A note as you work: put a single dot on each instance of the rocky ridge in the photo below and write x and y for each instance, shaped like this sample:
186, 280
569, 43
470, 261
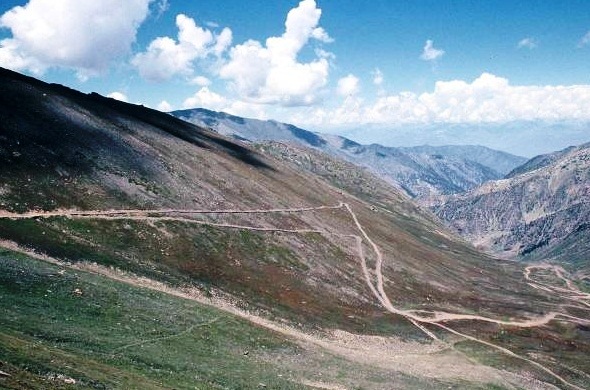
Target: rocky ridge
421, 172
537, 208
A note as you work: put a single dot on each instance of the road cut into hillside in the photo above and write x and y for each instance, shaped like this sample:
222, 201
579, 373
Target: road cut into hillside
419, 318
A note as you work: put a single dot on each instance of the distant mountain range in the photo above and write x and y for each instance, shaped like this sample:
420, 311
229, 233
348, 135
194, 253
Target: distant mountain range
502, 203
422, 171
523, 138
541, 209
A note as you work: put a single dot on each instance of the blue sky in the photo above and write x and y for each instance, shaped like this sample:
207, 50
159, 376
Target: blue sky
333, 65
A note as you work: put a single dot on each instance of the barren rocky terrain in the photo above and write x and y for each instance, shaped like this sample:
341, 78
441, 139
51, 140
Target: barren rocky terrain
540, 211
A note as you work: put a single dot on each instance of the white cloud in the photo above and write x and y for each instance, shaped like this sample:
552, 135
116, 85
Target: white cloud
205, 98
272, 74
430, 53
321, 53
12, 57
201, 81
528, 43
118, 96
377, 77
487, 99
321, 35
247, 110
222, 41
85, 36
348, 86
164, 106
585, 41
166, 57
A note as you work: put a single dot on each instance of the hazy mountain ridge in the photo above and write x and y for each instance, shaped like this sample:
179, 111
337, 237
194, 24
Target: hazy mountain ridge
544, 160
420, 171
421, 175
497, 160
536, 208
249, 129
520, 137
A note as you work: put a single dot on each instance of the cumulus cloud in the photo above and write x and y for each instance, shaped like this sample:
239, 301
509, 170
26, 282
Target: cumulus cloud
585, 41
487, 99
12, 57
377, 77
528, 43
430, 53
201, 81
166, 57
348, 86
85, 36
206, 98
321, 35
222, 41
118, 96
164, 106
271, 73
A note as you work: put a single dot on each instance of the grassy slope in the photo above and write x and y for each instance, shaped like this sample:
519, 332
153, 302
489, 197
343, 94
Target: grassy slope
91, 152
47, 328
573, 251
491, 287
113, 335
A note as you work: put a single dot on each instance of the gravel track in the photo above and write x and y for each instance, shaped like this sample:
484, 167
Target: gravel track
435, 318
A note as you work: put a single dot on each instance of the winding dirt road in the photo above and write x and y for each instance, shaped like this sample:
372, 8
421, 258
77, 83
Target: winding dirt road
570, 292
435, 317
419, 318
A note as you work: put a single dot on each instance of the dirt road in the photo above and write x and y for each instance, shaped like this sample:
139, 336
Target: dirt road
419, 318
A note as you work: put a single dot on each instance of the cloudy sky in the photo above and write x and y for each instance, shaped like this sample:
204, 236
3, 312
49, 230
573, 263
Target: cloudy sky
331, 65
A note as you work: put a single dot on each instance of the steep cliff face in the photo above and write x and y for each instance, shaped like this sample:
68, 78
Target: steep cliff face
529, 213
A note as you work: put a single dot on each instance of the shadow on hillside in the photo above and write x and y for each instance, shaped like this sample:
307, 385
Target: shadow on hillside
25, 115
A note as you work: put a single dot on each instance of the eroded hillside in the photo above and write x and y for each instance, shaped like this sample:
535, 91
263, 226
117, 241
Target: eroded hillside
539, 211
